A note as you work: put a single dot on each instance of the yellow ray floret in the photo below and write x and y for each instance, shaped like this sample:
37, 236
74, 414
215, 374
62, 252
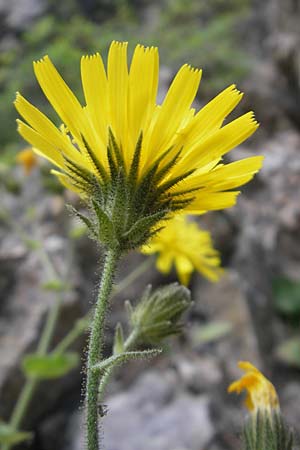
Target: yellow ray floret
261, 394
184, 244
120, 111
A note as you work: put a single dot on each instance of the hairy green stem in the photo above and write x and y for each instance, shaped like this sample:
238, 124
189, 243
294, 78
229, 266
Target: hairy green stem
95, 349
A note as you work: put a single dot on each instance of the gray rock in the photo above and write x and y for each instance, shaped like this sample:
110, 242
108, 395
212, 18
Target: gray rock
152, 415
199, 374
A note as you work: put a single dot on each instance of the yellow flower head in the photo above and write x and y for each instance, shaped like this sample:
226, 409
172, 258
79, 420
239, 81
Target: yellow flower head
187, 246
261, 394
28, 159
123, 149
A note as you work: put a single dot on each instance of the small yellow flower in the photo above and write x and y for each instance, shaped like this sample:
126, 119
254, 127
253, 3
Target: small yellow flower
28, 159
183, 243
261, 394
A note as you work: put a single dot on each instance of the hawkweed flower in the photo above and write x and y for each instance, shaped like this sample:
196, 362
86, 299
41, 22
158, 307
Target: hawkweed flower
261, 394
184, 244
134, 161
266, 428
28, 159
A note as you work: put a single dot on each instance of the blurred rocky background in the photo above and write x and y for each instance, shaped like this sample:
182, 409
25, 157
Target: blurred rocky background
179, 401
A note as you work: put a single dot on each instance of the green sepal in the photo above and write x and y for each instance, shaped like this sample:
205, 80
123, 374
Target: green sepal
166, 168
79, 176
267, 431
134, 167
10, 436
115, 149
136, 234
173, 181
106, 230
53, 365
87, 222
118, 346
112, 165
119, 208
97, 165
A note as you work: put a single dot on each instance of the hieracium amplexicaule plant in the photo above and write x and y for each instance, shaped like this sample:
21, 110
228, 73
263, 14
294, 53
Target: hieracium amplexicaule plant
135, 163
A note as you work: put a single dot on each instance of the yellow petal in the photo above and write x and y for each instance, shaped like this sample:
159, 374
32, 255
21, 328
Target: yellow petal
94, 82
45, 128
211, 116
173, 110
246, 366
205, 201
67, 106
143, 83
220, 142
225, 177
164, 262
118, 92
65, 181
184, 268
40, 145
209, 267
59, 95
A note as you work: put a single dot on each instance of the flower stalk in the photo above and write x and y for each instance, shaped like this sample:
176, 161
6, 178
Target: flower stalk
95, 349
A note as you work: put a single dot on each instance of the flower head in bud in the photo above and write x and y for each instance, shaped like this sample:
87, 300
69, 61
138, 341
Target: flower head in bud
261, 394
134, 161
183, 243
158, 313
28, 159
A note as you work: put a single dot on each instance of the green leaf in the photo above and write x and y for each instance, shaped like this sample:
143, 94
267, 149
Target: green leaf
289, 352
287, 296
211, 332
50, 366
10, 436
